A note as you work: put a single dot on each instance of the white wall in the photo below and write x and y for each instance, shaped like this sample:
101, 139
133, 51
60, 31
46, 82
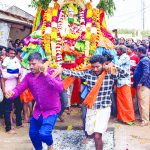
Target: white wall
4, 33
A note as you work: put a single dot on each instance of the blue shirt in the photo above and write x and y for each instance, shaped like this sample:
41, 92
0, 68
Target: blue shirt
142, 72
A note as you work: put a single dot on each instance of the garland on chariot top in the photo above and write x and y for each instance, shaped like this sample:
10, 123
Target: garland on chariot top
66, 31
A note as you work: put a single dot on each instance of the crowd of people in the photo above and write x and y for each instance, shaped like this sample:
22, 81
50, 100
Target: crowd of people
124, 92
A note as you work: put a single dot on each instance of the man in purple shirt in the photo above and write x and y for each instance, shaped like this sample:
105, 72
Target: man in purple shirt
45, 90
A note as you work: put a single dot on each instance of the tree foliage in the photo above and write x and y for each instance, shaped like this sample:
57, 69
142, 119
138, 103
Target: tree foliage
108, 6
38, 3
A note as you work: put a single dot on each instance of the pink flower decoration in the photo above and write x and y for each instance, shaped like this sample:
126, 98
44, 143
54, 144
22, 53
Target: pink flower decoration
54, 18
88, 19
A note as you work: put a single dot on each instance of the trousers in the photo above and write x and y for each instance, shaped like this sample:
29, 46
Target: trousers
41, 130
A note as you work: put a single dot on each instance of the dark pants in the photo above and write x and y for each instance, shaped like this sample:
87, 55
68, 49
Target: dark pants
114, 104
84, 110
2, 109
64, 101
41, 131
8, 108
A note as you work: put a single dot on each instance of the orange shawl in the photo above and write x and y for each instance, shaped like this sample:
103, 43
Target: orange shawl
91, 97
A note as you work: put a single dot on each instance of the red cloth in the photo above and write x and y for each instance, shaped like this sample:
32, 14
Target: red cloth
26, 96
107, 34
125, 104
134, 60
75, 97
133, 91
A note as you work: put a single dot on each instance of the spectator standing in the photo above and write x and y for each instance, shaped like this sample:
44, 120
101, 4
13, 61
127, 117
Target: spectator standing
124, 98
142, 82
122, 41
134, 60
10, 74
26, 97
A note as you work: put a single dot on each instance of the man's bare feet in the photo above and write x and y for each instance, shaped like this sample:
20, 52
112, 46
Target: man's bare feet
21, 126
61, 119
68, 110
85, 141
11, 132
26, 121
50, 148
143, 123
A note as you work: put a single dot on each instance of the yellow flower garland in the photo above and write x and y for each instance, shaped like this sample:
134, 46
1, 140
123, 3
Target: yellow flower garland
88, 29
54, 29
45, 37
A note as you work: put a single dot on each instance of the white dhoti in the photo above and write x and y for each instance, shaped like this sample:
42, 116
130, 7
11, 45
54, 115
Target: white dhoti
97, 120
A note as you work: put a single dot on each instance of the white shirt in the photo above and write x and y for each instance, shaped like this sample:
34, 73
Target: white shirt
11, 63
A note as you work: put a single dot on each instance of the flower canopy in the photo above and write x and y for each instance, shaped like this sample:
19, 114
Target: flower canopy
68, 33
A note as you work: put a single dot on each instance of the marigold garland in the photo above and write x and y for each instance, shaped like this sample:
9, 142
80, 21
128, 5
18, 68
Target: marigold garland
45, 37
85, 28
88, 28
54, 33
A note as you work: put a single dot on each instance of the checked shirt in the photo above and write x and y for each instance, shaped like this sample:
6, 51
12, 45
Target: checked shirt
103, 99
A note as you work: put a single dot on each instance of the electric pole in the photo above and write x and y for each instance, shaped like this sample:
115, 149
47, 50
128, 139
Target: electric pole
143, 14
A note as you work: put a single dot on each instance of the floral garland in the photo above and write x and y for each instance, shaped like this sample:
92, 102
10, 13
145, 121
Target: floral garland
54, 28
82, 24
98, 28
88, 28
59, 39
46, 36
93, 32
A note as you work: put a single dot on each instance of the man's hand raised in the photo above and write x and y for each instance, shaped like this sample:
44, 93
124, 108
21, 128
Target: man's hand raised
57, 72
111, 69
9, 94
43, 67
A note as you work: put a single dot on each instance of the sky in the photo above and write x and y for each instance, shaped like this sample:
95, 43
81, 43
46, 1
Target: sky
128, 13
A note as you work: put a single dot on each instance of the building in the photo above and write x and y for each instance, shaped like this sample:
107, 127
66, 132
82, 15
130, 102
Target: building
14, 24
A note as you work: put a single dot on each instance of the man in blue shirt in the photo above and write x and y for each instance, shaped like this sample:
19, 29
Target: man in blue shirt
142, 82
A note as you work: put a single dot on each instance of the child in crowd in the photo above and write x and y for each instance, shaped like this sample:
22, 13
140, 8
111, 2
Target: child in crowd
26, 97
10, 73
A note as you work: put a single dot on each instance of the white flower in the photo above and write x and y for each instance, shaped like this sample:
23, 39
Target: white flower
94, 30
88, 24
48, 30
54, 24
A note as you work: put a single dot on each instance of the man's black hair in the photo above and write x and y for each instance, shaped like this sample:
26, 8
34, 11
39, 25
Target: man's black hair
35, 55
142, 49
97, 58
1, 47
109, 57
19, 49
131, 46
11, 49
